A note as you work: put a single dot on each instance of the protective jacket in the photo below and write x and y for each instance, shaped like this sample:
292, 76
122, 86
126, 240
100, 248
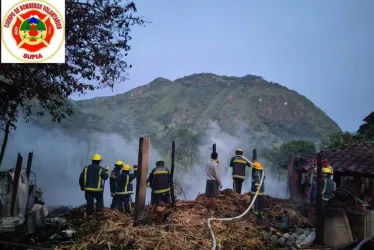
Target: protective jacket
238, 165
159, 180
124, 183
256, 179
91, 178
328, 187
116, 172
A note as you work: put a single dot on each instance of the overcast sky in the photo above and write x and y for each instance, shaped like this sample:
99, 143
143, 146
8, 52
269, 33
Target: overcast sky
322, 49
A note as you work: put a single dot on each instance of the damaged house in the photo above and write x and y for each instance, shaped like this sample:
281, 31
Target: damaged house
22, 209
353, 167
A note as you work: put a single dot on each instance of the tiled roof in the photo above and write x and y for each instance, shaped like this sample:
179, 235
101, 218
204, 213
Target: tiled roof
358, 159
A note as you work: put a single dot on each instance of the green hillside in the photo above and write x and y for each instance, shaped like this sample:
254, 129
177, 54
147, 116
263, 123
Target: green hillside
267, 111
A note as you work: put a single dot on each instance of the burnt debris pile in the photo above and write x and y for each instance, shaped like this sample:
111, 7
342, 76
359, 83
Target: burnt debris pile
185, 225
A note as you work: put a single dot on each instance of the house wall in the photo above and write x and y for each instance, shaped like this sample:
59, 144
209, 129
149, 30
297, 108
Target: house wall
359, 224
337, 230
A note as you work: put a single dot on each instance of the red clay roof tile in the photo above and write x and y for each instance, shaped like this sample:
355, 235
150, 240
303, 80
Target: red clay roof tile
358, 158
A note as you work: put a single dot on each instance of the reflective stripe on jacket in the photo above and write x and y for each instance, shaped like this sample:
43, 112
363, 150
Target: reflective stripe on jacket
256, 179
91, 178
159, 179
116, 172
124, 183
328, 188
238, 165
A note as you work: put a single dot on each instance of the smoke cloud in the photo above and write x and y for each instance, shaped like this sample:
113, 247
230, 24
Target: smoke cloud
59, 159
194, 182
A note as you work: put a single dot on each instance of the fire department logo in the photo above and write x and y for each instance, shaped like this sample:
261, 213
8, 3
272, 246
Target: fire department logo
33, 32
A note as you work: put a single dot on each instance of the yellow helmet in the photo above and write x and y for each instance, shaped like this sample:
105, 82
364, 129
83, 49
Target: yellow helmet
126, 167
119, 163
257, 165
96, 157
327, 171
240, 150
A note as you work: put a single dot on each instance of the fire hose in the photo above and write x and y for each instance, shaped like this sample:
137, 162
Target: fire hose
237, 217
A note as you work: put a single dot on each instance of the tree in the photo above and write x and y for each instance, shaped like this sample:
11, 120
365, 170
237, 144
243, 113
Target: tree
93, 61
367, 129
279, 155
341, 139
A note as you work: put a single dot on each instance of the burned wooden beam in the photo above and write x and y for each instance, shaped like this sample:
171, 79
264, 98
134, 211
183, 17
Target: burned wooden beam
172, 173
141, 182
17, 174
290, 173
214, 148
29, 164
319, 209
254, 155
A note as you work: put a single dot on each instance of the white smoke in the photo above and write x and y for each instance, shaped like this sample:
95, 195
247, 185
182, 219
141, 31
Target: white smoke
194, 182
59, 159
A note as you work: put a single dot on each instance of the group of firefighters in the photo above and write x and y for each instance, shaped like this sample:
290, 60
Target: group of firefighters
93, 177
238, 164
92, 181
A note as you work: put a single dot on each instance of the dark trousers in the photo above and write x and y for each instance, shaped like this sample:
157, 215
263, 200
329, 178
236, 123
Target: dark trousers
102, 200
114, 203
212, 188
124, 202
152, 198
163, 197
258, 206
90, 198
238, 183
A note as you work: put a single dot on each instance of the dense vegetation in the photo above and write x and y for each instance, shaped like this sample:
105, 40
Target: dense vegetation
260, 113
340, 139
279, 154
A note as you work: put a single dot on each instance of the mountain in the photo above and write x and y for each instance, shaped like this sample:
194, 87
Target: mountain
267, 111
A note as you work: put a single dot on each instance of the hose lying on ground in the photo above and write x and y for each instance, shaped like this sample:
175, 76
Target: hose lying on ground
363, 242
237, 217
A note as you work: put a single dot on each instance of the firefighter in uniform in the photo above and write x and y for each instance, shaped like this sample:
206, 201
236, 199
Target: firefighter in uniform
112, 182
329, 186
91, 181
124, 188
326, 164
238, 165
258, 207
159, 180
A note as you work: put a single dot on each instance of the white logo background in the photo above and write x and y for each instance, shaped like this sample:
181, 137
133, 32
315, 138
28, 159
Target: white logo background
51, 54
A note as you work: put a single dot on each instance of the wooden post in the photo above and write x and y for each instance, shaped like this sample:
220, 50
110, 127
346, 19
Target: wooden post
29, 163
214, 148
141, 182
254, 155
17, 174
172, 173
319, 209
290, 171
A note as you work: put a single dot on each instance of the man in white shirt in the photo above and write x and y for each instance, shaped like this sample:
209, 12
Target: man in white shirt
213, 183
